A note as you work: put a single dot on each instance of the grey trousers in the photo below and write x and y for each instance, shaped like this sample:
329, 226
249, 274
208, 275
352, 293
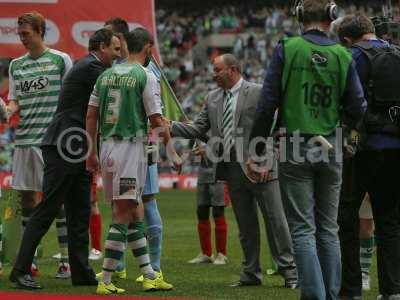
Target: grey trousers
245, 197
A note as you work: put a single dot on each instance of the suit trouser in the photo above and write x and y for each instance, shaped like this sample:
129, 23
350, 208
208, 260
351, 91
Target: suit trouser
244, 197
375, 172
69, 184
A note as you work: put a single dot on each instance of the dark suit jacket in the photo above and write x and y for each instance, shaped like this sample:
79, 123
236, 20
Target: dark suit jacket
210, 118
73, 102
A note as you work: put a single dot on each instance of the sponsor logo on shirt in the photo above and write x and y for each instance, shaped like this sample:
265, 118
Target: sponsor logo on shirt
36, 85
319, 59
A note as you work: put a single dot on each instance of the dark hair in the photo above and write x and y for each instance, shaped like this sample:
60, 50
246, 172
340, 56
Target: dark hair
355, 26
315, 11
102, 35
137, 39
118, 25
35, 19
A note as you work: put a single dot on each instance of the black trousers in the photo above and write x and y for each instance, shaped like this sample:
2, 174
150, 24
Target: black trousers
69, 184
375, 172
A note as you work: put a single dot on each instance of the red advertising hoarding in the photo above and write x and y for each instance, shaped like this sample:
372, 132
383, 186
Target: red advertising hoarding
70, 22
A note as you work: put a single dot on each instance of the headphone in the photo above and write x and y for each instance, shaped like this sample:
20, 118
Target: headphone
331, 10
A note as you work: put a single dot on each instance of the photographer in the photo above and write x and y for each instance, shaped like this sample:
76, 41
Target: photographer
374, 168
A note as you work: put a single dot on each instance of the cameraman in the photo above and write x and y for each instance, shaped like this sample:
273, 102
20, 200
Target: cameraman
309, 79
374, 169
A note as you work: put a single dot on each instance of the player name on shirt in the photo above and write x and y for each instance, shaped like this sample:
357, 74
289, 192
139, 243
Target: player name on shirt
115, 80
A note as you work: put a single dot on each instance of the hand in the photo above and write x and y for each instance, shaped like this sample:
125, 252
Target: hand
10, 111
177, 162
199, 151
256, 172
92, 163
151, 148
167, 122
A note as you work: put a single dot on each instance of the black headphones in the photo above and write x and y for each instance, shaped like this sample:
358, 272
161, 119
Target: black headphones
331, 10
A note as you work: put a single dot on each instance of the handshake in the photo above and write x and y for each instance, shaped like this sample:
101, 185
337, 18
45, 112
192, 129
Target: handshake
152, 149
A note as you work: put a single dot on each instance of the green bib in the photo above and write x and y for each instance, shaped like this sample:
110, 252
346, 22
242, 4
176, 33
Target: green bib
122, 112
313, 82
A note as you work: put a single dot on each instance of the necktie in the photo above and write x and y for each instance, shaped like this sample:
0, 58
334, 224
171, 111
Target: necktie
227, 122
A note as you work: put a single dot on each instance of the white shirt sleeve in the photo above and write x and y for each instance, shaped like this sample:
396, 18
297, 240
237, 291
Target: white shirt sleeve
94, 97
12, 93
68, 65
151, 95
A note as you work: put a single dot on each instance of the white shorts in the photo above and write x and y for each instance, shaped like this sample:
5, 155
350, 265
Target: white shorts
365, 209
27, 169
123, 167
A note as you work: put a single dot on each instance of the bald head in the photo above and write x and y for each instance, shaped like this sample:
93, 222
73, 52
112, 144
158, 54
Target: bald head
231, 61
227, 71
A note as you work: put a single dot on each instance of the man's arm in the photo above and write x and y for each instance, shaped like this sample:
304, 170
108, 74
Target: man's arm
158, 124
270, 100
197, 130
152, 105
353, 100
92, 162
13, 106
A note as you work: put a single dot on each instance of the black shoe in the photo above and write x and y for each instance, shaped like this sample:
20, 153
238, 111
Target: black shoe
350, 298
24, 281
245, 283
291, 284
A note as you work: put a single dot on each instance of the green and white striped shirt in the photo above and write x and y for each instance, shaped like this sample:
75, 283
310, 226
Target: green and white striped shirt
35, 85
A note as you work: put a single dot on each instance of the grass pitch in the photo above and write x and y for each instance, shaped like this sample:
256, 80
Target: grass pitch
178, 210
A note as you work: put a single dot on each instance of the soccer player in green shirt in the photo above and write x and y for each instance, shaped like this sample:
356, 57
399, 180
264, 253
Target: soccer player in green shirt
35, 82
123, 100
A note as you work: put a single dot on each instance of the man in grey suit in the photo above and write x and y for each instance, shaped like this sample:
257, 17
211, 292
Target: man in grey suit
229, 113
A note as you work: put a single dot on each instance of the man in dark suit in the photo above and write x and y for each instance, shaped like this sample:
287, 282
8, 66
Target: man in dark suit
229, 114
64, 152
